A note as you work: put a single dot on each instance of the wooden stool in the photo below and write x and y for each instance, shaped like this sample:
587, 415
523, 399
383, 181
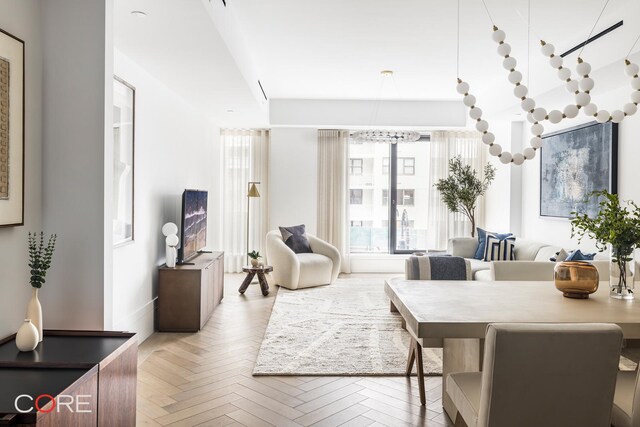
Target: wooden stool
251, 272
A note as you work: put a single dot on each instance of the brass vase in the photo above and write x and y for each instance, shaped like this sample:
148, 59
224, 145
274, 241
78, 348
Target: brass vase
576, 279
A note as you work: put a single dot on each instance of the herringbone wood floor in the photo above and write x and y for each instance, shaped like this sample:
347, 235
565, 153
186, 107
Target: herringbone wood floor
205, 379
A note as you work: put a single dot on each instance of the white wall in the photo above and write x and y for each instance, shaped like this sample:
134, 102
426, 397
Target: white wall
293, 178
22, 19
76, 89
175, 148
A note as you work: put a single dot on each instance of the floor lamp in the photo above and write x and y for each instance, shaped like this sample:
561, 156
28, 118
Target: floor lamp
252, 191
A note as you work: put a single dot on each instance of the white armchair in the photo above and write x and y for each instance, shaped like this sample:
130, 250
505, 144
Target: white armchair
294, 271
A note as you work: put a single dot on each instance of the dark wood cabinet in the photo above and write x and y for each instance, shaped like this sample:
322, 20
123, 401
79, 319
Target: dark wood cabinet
188, 294
91, 375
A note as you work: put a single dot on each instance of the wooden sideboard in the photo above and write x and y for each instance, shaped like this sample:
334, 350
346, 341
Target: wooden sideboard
188, 294
91, 376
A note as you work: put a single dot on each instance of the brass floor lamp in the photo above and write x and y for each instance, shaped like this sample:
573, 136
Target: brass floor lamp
252, 191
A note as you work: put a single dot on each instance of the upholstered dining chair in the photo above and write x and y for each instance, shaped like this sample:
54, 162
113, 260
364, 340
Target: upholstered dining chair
541, 375
436, 267
294, 271
626, 402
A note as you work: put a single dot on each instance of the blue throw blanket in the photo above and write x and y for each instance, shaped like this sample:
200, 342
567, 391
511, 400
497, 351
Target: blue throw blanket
436, 268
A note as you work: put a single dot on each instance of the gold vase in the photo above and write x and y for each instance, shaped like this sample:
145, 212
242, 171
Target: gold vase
576, 279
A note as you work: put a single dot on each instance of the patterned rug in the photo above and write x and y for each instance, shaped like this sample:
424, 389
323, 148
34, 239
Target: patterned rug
341, 329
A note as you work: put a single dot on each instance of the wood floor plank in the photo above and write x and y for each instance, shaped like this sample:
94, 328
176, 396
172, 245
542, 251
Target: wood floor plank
342, 416
265, 414
330, 410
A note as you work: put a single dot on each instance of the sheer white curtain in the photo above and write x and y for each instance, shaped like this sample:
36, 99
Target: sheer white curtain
333, 190
245, 158
445, 145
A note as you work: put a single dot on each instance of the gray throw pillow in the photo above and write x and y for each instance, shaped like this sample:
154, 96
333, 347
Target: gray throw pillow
296, 239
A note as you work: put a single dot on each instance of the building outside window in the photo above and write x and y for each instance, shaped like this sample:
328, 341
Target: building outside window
355, 166
406, 166
355, 196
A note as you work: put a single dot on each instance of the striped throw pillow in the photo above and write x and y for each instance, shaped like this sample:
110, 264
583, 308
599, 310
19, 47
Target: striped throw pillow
499, 249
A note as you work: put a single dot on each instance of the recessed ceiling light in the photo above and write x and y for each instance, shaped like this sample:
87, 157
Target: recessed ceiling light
230, 111
138, 14
386, 73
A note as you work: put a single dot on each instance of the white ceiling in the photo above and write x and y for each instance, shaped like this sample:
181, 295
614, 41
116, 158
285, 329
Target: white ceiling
335, 49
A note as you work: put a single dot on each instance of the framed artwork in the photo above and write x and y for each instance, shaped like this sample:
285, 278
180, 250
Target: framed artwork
575, 162
124, 97
11, 130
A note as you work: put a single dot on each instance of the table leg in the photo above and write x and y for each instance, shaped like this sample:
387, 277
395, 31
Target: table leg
459, 355
264, 285
247, 281
418, 355
412, 357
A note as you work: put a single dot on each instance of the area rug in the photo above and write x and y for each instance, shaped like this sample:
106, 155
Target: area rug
342, 329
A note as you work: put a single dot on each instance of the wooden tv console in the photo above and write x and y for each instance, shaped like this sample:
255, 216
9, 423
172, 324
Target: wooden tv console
188, 294
90, 374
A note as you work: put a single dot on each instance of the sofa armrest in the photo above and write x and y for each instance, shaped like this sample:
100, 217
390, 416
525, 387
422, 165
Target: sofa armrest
286, 265
321, 247
464, 247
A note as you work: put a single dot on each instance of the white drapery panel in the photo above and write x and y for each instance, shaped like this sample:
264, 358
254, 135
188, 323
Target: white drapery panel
245, 159
444, 146
333, 187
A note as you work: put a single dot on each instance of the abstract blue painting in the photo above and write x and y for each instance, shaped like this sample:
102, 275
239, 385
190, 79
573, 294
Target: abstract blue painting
575, 162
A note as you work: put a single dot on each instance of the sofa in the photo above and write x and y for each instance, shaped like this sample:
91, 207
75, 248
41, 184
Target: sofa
532, 261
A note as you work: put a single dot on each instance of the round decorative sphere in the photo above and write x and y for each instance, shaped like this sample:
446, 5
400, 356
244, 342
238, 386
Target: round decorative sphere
462, 88
495, 149
635, 83
635, 97
506, 157
530, 118
529, 153
556, 61
582, 99
469, 100
520, 91
564, 73
172, 240
539, 114
555, 116
602, 116
617, 116
572, 86
169, 228
504, 49
583, 68
528, 104
631, 70
515, 76
630, 109
570, 111
482, 126
498, 36
475, 113
509, 63
518, 159
547, 49
536, 142
537, 129
488, 138
590, 109
586, 84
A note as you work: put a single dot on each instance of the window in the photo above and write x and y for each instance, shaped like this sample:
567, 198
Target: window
355, 166
403, 197
388, 213
355, 196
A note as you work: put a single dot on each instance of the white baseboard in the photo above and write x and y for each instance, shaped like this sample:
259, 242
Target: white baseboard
377, 263
140, 321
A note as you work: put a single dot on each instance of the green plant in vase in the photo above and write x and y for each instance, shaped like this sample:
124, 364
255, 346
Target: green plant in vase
617, 226
461, 189
255, 258
40, 257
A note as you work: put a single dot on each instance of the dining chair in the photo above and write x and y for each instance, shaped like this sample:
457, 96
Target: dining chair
540, 375
626, 401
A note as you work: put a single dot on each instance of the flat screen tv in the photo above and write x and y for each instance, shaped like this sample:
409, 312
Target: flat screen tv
193, 230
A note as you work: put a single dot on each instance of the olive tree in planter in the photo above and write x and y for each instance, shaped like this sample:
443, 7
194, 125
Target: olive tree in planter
461, 189
616, 227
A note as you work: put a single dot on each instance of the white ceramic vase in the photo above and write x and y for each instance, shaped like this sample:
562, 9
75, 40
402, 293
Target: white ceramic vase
34, 312
254, 262
27, 337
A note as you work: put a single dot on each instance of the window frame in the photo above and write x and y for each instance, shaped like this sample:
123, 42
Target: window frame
352, 166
